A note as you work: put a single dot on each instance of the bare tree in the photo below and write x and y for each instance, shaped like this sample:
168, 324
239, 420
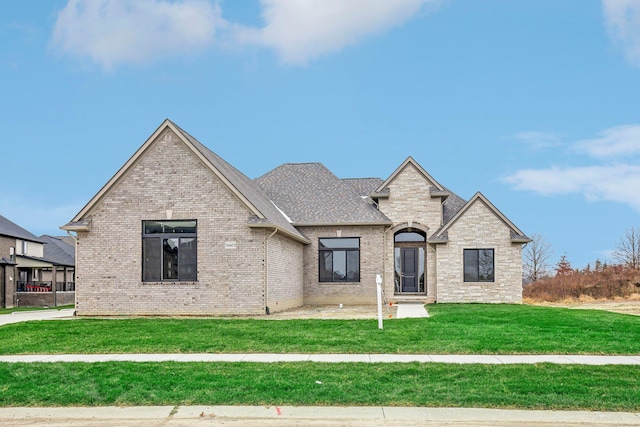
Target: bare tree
536, 258
628, 248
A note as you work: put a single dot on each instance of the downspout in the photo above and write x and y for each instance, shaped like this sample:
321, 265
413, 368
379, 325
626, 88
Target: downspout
4, 286
75, 270
266, 271
384, 258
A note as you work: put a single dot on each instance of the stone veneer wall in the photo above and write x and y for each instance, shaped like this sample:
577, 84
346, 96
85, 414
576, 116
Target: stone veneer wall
285, 274
169, 177
371, 263
410, 200
389, 268
479, 228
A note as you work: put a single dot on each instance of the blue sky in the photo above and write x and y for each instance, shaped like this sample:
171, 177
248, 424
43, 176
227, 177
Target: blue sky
535, 103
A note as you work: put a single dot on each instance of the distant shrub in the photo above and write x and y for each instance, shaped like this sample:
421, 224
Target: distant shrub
612, 282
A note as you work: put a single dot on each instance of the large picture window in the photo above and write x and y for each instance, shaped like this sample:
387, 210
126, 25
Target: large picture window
169, 251
478, 265
339, 259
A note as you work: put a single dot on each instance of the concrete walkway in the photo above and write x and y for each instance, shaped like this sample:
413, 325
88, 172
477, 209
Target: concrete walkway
306, 415
24, 316
407, 310
330, 358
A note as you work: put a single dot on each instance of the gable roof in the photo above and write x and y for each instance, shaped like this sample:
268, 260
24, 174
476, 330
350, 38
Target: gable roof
437, 192
265, 213
11, 229
58, 251
310, 194
517, 236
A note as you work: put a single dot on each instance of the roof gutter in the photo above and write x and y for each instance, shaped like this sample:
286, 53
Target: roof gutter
282, 231
521, 240
342, 224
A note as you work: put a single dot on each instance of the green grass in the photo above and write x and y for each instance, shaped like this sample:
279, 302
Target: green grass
17, 309
452, 329
544, 386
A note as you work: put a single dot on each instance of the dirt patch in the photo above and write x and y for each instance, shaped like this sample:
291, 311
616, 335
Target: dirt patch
624, 306
334, 312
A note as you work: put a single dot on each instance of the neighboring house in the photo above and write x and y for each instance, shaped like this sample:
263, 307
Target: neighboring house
178, 231
30, 265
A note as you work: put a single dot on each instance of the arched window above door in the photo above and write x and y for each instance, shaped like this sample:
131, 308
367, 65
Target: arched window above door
409, 237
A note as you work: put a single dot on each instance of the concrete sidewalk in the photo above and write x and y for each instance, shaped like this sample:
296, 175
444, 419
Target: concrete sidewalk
329, 358
306, 415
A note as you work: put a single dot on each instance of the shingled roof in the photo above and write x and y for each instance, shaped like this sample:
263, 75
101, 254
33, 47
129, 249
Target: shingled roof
363, 186
265, 213
11, 229
248, 188
58, 251
310, 194
451, 206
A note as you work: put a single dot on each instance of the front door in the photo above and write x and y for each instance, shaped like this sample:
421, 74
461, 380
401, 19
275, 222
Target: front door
409, 269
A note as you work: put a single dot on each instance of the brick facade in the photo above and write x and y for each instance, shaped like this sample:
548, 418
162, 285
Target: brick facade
169, 182
285, 274
371, 264
242, 269
8, 274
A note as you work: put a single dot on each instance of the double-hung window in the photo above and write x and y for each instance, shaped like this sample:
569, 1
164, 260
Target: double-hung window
339, 259
169, 251
478, 265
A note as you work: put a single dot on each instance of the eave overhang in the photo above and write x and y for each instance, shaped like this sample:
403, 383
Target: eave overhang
82, 225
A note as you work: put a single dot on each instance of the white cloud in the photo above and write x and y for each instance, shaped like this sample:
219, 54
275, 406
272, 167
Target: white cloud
616, 182
112, 32
615, 141
301, 30
539, 140
623, 24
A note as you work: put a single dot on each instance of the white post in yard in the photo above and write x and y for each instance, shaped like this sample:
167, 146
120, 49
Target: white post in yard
379, 288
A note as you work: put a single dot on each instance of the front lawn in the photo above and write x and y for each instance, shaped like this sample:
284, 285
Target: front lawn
543, 386
451, 329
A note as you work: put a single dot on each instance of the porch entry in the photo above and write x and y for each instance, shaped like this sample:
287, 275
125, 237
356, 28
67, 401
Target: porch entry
409, 248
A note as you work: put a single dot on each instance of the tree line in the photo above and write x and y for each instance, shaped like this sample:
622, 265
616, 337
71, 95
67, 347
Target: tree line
537, 254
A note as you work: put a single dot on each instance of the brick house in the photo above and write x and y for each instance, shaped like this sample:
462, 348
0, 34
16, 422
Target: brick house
34, 271
179, 231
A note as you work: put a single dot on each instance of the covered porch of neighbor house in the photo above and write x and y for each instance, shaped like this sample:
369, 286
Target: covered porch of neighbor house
42, 283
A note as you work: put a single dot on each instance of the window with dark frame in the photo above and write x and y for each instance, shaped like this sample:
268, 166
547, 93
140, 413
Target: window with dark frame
339, 259
169, 251
479, 265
